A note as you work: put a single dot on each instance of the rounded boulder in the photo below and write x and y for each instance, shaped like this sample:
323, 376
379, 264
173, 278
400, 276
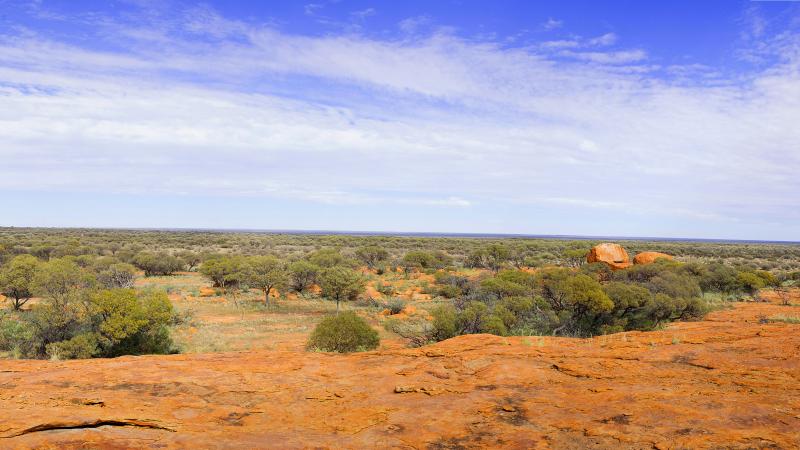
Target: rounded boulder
650, 257
611, 254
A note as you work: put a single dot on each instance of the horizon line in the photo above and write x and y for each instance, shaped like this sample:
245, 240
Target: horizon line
431, 234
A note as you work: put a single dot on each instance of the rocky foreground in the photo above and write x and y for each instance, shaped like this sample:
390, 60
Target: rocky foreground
727, 382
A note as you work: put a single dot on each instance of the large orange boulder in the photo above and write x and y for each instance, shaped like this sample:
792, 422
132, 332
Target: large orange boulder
650, 257
612, 254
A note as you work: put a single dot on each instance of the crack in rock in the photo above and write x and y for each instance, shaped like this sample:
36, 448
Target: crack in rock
89, 424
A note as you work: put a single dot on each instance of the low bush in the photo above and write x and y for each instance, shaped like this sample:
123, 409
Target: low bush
395, 305
449, 291
785, 319
343, 333
416, 331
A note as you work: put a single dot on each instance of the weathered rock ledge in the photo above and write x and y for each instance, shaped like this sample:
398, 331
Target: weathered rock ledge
726, 382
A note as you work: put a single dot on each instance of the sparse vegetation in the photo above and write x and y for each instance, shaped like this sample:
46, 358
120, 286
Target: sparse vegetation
785, 319
395, 305
451, 286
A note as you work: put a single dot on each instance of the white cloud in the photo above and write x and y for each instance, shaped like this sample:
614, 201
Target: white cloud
552, 24
413, 24
604, 40
435, 121
311, 8
364, 13
621, 57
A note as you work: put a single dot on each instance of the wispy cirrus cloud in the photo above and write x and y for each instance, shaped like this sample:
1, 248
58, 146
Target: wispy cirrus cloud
552, 24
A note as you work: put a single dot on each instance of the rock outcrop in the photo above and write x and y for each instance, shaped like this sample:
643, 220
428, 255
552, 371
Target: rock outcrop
650, 257
612, 254
730, 381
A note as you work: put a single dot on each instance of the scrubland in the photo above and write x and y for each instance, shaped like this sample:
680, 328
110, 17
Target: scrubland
262, 340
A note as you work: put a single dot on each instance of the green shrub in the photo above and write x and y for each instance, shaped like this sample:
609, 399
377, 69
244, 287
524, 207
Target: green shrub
106, 323
444, 322
82, 346
16, 336
449, 291
117, 276
343, 333
395, 305
416, 331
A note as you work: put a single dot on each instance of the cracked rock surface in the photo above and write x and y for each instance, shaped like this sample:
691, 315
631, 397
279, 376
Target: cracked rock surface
726, 382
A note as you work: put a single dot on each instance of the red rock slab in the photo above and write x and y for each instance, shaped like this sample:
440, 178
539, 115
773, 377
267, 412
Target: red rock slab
729, 381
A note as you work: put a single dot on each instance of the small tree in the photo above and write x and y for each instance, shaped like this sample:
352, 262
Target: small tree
497, 255
60, 280
340, 283
192, 259
783, 295
266, 273
750, 283
226, 272
222, 270
16, 279
303, 274
491, 257
329, 257
157, 263
372, 255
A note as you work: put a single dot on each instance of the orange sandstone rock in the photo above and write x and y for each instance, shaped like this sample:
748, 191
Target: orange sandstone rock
612, 254
650, 257
727, 382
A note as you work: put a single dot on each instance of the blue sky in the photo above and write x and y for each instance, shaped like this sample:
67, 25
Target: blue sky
673, 119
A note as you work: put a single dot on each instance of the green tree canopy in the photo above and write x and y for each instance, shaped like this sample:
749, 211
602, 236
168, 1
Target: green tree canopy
329, 257
341, 283
303, 274
224, 271
60, 280
372, 255
157, 263
16, 279
266, 273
